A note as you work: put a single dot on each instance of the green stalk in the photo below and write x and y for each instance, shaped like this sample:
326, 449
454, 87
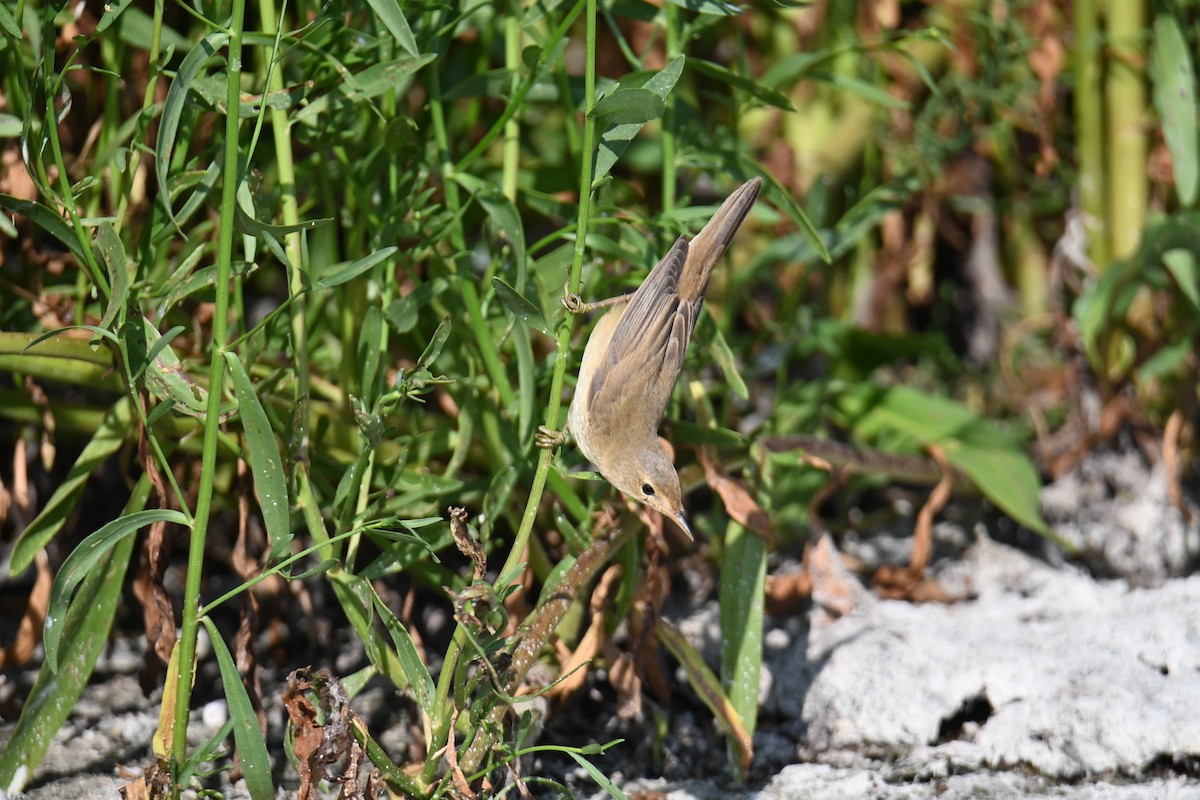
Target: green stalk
512, 130
216, 377
440, 726
281, 132
1089, 127
1128, 195
668, 123
575, 281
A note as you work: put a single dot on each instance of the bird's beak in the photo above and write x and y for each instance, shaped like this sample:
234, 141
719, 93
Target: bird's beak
682, 522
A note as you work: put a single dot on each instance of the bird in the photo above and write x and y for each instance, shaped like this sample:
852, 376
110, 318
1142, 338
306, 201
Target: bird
633, 359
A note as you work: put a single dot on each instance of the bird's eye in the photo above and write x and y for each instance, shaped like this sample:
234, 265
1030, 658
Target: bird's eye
647, 490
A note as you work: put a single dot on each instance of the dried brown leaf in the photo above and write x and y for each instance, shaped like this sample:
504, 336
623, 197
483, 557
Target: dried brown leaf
466, 543
787, 595
741, 507
29, 630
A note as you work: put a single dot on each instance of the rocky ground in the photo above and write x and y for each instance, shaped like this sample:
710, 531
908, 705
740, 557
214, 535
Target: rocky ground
1047, 677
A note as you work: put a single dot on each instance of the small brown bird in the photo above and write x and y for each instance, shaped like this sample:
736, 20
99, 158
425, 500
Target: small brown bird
633, 359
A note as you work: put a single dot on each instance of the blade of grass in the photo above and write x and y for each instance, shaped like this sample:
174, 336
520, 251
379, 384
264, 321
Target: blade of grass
251, 744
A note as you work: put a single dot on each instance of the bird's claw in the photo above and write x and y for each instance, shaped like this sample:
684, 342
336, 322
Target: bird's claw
548, 439
572, 302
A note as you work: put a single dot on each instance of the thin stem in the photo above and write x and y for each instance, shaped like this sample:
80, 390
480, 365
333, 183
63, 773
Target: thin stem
669, 123
216, 378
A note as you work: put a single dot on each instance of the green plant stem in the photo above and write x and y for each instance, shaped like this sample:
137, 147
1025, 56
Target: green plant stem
512, 129
575, 280
1089, 127
440, 726
204, 498
669, 123
281, 131
1125, 88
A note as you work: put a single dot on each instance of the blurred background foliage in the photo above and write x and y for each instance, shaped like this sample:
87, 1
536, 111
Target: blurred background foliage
977, 241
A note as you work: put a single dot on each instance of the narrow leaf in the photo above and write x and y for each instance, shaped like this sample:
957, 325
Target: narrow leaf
174, 105
80, 564
752, 88
112, 253
503, 213
393, 19
47, 220
248, 225
706, 685
742, 589
352, 271
410, 661
53, 696
1182, 266
520, 306
251, 744
265, 464
8, 24
1174, 80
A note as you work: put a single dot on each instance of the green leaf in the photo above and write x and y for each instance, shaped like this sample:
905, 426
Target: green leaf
1005, 475
344, 274
1164, 362
247, 736
410, 661
356, 597
248, 225
1182, 266
503, 213
434, 348
520, 306
628, 107
742, 589
266, 466
602, 780
370, 82
706, 685
165, 376
369, 357
753, 88
47, 220
83, 560
616, 138
89, 620
405, 312
112, 253
8, 24
992, 460
173, 107
1174, 81
112, 11
725, 359
117, 425
393, 19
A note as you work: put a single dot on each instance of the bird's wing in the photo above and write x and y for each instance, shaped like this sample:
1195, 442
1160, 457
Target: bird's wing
644, 357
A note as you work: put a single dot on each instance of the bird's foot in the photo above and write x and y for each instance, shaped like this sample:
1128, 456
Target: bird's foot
548, 439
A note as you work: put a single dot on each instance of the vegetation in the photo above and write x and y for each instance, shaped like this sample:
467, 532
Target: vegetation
280, 301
